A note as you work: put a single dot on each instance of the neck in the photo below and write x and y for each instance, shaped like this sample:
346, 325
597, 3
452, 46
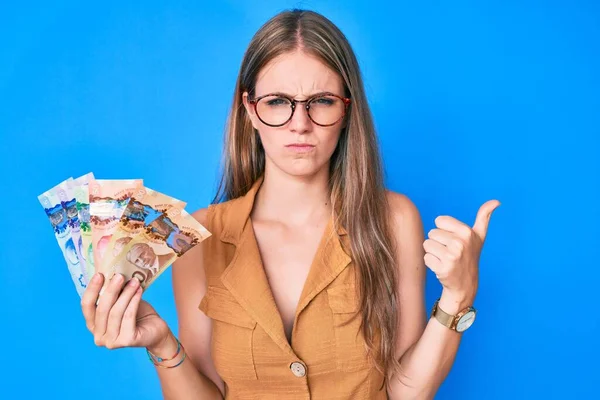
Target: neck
293, 199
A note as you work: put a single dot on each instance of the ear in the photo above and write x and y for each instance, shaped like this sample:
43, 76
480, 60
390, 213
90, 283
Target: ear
250, 110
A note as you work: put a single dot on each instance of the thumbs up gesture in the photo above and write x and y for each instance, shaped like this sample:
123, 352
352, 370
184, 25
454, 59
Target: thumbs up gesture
452, 252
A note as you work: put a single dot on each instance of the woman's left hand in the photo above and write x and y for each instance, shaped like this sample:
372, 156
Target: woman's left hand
452, 252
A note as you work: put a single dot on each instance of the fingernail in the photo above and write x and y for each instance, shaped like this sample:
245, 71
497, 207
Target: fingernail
96, 278
117, 278
134, 282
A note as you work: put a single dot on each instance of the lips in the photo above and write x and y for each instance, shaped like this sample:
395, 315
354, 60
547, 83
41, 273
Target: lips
300, 147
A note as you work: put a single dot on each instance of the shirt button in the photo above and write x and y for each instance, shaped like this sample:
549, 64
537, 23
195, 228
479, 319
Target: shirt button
298, 369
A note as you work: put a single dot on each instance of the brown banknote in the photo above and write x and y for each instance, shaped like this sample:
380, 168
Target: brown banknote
159, 244
144, 207
108, 200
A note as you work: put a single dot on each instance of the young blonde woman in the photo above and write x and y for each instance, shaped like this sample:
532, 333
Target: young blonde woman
312, 284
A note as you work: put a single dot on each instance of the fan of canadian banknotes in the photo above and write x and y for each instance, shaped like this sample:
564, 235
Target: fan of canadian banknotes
118, 226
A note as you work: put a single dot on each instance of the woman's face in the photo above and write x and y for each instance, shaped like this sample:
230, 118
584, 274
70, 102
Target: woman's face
299, 147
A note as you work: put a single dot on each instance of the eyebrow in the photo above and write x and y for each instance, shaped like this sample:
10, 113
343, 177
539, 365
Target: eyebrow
283, 94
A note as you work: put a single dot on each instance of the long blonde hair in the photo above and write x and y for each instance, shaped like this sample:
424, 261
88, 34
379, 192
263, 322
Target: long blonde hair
356, 174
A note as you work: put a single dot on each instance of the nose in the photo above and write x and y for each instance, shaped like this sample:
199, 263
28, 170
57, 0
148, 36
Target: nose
300, 122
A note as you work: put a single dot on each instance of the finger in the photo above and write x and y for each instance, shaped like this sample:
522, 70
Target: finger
442, 236
107, 300
453, 225
128, 325
435, 248
89, 298
483, 218
433, 263
454, 245
115, 316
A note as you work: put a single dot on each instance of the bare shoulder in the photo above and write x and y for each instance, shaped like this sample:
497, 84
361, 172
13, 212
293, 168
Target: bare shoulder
201, 215
407, 229
192, 258
188, 271
405, 214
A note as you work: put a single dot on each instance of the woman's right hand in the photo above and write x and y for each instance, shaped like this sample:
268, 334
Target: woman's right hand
121, 318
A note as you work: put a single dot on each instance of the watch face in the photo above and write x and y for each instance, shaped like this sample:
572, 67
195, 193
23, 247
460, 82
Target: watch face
465, 321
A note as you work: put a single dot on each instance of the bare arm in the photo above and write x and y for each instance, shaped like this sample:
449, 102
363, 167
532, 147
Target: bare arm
120, 318
426, 350
196, 378
185, 381
452, 251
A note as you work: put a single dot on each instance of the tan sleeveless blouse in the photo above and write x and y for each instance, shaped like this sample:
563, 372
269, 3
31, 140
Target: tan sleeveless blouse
327, 357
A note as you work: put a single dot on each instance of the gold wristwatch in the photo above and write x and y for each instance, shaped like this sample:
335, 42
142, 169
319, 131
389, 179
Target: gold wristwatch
459, 322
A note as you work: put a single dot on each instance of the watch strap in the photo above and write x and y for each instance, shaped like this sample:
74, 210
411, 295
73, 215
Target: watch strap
443, 317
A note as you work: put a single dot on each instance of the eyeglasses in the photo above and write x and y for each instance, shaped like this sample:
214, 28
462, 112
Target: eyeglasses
324, 109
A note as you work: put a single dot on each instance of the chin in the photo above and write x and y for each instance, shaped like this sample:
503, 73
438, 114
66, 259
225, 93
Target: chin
299, 169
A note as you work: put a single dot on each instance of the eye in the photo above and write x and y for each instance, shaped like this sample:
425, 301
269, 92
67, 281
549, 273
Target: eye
276, 101
324, 101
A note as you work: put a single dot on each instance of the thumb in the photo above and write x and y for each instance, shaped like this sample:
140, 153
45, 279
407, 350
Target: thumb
145, 309
483, 218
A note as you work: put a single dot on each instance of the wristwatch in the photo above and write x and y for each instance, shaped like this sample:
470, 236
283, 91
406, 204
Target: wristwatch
459, 322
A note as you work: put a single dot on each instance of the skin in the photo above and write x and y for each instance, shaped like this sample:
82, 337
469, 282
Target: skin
290, 214
292, 207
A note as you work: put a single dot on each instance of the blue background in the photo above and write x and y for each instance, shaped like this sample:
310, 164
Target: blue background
473, 100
